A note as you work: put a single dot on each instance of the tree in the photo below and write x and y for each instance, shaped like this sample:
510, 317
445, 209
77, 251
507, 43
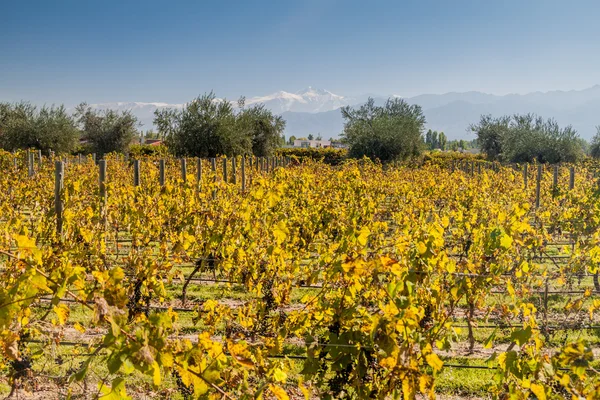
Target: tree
388, 132
264, 128
489, 133
23, 126
291, 140
434, 140
311, 137
525, 138
107, 131
595, 144
208, 127
428, 139
442, 141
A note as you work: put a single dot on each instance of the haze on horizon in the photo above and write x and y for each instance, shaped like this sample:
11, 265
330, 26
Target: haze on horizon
72, 51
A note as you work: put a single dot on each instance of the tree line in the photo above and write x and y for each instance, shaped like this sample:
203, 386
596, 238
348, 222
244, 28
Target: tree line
205, 127
208, 127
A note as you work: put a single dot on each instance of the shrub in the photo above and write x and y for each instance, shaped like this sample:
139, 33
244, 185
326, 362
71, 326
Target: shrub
327, 155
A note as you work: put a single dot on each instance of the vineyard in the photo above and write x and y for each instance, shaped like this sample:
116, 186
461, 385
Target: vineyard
277, 279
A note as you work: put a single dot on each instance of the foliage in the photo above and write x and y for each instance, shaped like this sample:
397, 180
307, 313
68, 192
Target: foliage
525, 138
327, 155
390, 263
24, 126
208, 127
390, 132
265, 129
141, 150
435, 140
106, 131
594, 149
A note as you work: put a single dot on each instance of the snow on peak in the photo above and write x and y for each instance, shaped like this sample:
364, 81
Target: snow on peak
311, 100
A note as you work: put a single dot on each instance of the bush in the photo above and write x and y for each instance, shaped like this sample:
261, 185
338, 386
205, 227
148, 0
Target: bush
328, 155
139, 150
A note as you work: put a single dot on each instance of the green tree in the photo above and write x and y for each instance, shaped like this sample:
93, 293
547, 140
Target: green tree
595, 144
388, 132
524, 138
208, 127
428, 139
264, 129
489, 133
107, 131
291, 140
434, 140
443, 141
311, 137
205, 127
23, 125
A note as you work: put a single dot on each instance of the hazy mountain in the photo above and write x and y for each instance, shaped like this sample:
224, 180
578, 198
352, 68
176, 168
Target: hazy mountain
308, 100
316, 111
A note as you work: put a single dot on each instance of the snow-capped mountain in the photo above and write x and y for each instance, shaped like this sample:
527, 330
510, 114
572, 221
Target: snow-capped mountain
316, 111
309, 100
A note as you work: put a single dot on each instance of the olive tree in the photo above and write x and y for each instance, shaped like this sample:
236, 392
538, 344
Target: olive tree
525, 138
24, 126
388, 132
106, 131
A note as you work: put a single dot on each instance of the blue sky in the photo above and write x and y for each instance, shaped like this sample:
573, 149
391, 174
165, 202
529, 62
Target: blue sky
99, 51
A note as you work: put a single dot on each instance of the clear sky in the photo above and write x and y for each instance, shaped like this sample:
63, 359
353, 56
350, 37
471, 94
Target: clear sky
100, 51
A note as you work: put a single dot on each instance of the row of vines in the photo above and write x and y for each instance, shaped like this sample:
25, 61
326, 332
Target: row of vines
356, 281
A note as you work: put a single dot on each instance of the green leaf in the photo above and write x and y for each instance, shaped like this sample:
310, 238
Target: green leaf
115, 392
521, 336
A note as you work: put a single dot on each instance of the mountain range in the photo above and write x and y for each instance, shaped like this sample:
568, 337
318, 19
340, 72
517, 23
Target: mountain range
316, 111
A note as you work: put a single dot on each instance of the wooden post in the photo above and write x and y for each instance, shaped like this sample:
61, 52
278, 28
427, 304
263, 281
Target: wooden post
102, 179
525, 175
183, 170
30, 169
94, 158
58, 203
39, 156
225, 170
243, 173
213, 165
233, 171
136, 172
479, 168
199, 173
572, 178
80, 159
161, 173
555, 178
472, 168
538, 186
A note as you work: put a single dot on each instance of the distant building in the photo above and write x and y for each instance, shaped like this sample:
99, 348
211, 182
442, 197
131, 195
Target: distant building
311, 143
153, 142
